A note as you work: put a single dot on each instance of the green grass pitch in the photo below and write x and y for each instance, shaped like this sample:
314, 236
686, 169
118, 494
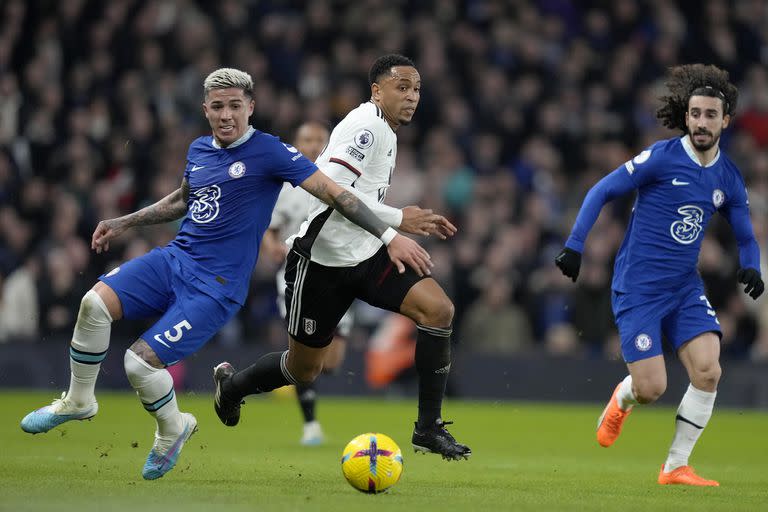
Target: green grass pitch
525, 457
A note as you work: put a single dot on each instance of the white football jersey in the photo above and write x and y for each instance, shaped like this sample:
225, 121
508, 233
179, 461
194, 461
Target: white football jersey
363, 148
291, 209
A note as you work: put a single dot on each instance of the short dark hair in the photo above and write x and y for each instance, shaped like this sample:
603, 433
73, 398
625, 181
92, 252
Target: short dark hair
385, 63
695, 80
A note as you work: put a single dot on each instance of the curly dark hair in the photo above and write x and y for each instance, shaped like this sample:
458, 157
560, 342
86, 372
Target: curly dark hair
385, 63
694, 80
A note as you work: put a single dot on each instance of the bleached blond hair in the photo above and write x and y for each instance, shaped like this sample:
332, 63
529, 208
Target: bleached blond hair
224, 78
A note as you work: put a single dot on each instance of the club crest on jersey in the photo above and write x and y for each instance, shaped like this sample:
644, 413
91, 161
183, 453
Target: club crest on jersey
364, 139
643, 342
718, 198
309, 326
687, 229
205, 207
237, 169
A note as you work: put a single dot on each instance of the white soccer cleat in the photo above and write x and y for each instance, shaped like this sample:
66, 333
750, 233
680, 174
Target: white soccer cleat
313, 434
165, 451
51, 416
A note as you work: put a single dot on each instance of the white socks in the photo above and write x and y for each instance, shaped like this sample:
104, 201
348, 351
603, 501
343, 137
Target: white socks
88, 349
155, 389
625, 397
692, 416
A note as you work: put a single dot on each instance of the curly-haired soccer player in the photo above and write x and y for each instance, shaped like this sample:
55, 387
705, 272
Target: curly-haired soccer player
681, 183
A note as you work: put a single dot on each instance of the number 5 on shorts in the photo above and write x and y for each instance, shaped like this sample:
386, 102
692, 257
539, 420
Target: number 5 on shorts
176, 336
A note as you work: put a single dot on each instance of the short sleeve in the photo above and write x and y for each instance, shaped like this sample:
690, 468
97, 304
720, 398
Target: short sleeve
289, 164
355, 148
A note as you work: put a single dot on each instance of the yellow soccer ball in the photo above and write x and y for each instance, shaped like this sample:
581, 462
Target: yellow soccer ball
372, 462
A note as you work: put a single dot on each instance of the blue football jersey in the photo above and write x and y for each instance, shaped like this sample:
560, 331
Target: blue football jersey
676, 198
232, 192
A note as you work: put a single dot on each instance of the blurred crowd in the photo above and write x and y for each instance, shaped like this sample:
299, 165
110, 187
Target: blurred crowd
525, 104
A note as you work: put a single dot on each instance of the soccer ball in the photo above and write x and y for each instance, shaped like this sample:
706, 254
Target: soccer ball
372, 463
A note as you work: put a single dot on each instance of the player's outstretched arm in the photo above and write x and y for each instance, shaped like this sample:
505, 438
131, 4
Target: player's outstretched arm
411, 219
402, 251
171, 207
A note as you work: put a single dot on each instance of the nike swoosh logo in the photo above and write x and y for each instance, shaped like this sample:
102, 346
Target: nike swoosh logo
677, 182
196, 168
157, 339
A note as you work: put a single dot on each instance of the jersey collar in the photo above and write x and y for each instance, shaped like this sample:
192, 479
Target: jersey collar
692, 154
247, 135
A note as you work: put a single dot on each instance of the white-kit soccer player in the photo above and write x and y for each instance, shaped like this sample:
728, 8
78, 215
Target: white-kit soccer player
332, 262
656, 289
291, 210
197, 282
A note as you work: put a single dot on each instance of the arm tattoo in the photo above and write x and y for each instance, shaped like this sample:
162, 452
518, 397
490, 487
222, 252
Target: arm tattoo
171, 207
355, 210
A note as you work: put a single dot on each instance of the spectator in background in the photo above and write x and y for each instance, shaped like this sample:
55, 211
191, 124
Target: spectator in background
19, 311
95, 98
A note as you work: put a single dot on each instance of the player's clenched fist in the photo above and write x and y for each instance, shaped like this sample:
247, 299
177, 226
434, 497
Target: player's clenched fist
569, 262
754, 283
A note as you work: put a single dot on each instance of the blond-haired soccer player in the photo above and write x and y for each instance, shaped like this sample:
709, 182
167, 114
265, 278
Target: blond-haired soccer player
197, 282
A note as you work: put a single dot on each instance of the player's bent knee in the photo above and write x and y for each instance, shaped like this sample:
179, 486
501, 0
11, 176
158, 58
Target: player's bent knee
650, 391
438, 313
706, 376
93, 324
135, 367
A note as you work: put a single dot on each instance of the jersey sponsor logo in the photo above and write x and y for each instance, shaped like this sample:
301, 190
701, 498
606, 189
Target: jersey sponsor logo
389, 153
196, 168
309, 326
364, 139
630, 167
643, 342
357, 155
205, 207
290, 148
677, 182
642, 157
237, 169
718, 198
687, 229
113, 272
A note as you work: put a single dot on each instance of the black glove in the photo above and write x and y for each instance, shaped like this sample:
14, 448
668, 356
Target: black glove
751, 278
569, 262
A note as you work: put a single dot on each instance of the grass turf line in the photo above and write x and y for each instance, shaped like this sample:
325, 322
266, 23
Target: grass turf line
525, 457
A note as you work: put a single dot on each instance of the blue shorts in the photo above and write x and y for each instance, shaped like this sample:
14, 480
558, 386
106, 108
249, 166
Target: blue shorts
680, 316
155, 285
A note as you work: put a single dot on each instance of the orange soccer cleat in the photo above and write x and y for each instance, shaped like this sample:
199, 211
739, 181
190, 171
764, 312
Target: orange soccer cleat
684, 475
610, 422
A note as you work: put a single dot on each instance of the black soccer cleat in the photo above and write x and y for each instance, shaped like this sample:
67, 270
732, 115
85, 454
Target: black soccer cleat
227, 410
437, 439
